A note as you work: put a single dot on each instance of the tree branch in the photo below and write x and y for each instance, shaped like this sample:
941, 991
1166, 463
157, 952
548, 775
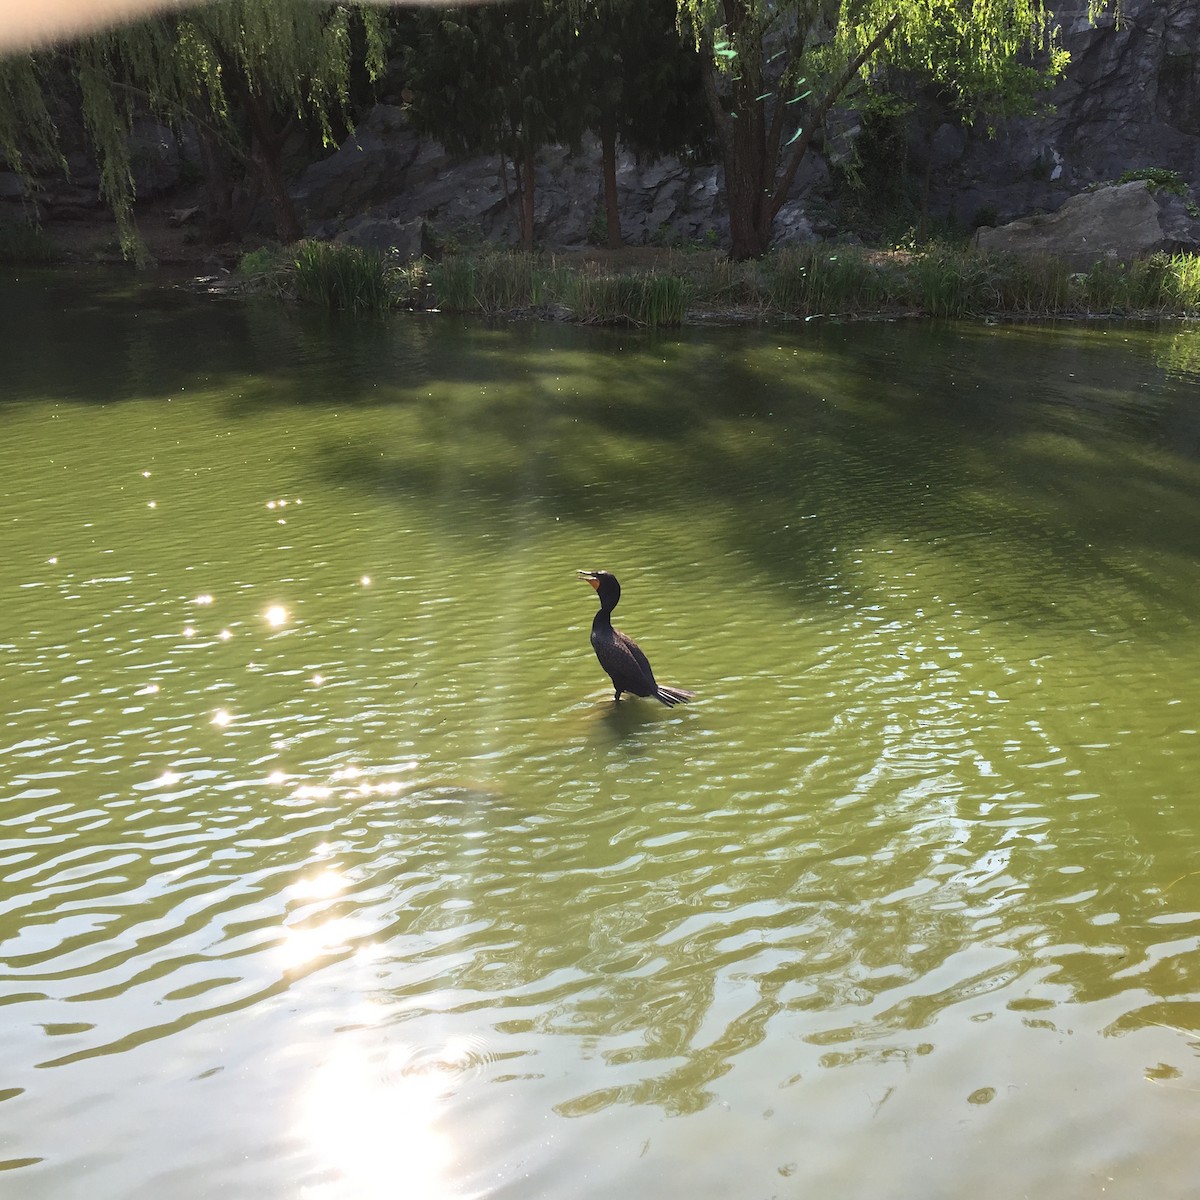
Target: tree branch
721, 118
817, 118
799, 42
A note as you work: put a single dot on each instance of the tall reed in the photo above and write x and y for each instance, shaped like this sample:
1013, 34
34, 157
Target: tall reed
1030, 287
650, 300
812, 280
942, 281
953, 283
1185, 283
411, 284
489, 283
341, 276
723, 283
1122, 288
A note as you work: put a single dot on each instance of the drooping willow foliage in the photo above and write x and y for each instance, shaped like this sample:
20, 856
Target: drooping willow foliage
192, 66
26, 128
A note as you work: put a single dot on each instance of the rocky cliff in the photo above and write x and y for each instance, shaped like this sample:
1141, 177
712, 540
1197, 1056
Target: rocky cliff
1130, 98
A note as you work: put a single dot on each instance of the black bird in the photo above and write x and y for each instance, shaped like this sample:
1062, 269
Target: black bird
619, 655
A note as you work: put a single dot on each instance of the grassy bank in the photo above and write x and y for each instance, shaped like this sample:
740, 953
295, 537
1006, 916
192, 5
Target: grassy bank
679, 286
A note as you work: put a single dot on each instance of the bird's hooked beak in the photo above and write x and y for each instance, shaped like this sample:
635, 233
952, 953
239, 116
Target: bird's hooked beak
589, 577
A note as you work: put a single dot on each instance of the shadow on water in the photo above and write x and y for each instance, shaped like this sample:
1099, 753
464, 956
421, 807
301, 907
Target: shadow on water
159, 339
803, 447
799, 446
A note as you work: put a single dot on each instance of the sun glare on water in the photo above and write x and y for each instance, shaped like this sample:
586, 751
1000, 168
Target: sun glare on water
374, 1121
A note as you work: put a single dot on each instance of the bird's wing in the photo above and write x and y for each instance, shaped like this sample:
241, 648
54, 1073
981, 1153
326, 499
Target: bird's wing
635, 652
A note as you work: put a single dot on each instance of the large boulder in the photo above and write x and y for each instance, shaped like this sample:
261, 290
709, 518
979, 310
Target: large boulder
365, 170
1122, 221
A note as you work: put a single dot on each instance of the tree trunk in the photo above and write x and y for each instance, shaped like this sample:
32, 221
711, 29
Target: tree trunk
759, 170
612, 211
266, 153
220, 223
746, 190
742, 135
749, 174
268, 161
266, 156
525, 176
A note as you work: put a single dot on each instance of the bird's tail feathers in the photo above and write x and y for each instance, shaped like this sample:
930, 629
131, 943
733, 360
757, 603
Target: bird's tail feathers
672, 696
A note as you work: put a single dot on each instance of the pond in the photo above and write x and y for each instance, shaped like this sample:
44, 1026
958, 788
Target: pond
330, 869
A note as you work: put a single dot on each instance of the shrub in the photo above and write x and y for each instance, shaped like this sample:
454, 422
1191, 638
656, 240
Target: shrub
1159, 178
263, 261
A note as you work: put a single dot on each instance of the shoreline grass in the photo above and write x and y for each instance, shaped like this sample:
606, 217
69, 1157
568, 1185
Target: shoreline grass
799, 282
25, 244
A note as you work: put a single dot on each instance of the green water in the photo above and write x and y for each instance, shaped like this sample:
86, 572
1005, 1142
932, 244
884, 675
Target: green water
329, 869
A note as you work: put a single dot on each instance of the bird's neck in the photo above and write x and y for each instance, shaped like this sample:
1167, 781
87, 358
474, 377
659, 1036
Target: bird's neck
602, 619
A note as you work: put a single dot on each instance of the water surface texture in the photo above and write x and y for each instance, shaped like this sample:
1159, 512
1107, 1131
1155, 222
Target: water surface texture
329, 869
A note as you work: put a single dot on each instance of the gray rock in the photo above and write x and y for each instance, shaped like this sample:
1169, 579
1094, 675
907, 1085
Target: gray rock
1124, 221
82, 170
386, 174
407, 240
12, 186
366, 169
947, 146
1131, 97
793, 227
1180, 229
154, 158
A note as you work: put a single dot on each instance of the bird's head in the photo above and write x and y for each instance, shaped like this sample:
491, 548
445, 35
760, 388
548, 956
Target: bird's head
605, 583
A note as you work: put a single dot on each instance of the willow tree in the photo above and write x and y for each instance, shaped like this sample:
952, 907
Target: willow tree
775, 69
240, 73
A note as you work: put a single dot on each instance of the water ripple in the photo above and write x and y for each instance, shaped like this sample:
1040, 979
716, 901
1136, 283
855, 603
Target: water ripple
328, 835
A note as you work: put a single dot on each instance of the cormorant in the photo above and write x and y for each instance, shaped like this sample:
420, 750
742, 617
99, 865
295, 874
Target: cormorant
620, 655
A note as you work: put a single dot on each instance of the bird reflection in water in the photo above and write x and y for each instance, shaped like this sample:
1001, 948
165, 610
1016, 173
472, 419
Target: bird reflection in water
623, 724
